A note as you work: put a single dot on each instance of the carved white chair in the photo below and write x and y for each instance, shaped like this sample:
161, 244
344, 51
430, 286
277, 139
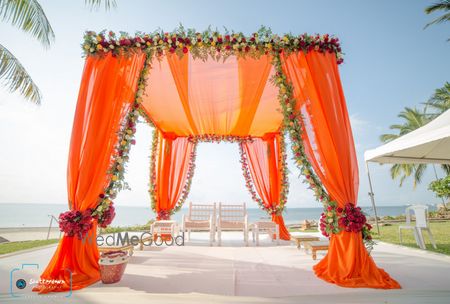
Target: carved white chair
271, 228
421, 215
232, 218
200, 217
164, 228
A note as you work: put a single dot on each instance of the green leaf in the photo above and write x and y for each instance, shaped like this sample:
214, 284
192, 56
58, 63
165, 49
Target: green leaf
96, 4
28, 16
16, 78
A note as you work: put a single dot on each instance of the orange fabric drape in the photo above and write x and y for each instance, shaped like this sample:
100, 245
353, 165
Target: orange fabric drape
265, 164
171, 169
329, 146
107, 90
190, 96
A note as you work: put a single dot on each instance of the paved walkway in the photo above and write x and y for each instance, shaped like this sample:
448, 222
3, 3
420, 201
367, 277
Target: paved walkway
234, 274
27, 234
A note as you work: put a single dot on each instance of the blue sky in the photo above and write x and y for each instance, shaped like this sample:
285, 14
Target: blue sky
390, 63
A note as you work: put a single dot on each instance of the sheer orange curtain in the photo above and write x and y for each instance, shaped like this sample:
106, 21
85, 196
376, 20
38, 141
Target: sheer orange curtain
330, 148
171, 169
264, 161
107, 90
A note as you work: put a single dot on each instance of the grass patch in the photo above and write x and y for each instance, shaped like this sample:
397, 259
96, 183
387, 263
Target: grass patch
118, 229
16, 246
440, 230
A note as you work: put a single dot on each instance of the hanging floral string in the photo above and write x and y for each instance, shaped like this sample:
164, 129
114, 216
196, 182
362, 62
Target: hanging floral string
272, 209
152, 182
249, 181
209, 43
166, 214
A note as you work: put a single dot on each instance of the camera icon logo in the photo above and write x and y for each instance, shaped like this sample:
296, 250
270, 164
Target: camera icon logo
21, 283
24, 278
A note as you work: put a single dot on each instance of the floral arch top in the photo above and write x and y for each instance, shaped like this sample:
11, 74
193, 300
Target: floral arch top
209, 43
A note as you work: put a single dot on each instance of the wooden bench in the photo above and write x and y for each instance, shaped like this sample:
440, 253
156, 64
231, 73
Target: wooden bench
143, 240
128, 248
299, 239
316, 246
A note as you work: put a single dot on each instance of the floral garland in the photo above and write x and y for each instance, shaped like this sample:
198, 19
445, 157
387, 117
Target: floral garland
209, 43
349, 219
78, 223
332, 219
292, 123
166, 214
152, 183
272, 209
213, 138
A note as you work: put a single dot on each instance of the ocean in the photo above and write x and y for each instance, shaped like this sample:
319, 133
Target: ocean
38, 215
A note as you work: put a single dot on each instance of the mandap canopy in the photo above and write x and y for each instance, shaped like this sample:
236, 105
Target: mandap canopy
195, 87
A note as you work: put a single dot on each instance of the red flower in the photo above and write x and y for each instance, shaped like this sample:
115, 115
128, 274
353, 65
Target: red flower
185, 50
107, 217
247, 48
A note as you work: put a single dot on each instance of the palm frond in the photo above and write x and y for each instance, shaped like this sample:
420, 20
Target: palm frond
419, 170
439, 101
446, 169
96, 4
29, 16
388, 137
16, 78
443, 5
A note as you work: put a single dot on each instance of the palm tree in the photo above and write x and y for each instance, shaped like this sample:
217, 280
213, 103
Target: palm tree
413, 119
29, 16
439, 101
443, 5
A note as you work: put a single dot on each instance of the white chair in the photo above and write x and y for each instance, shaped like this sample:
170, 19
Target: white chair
421, 215
270, 228
200, 218
232, 218
164, 227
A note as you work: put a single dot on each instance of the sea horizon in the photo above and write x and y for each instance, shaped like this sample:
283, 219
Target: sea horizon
16, 215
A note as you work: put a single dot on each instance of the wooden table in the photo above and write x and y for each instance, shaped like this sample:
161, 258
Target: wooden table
304, 238
316, 246
143, 240
129, 248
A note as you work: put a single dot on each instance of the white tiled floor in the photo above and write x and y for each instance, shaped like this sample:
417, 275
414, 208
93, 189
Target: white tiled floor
233, 273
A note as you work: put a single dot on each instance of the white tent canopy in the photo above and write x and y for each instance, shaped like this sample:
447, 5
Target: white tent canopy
428, 144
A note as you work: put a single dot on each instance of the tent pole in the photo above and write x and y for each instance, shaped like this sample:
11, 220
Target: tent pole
372, 198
